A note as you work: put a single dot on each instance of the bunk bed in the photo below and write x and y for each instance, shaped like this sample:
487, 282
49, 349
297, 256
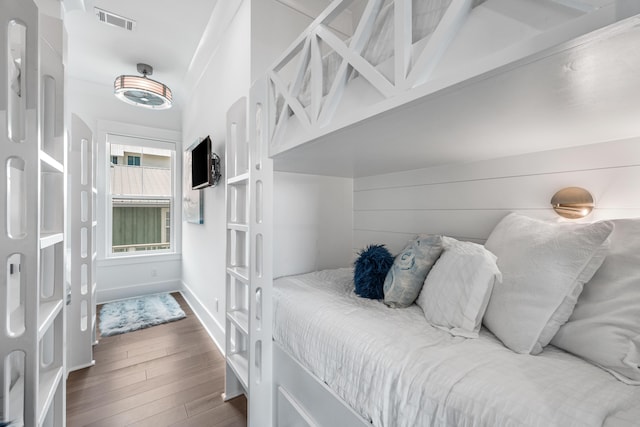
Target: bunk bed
403, 57
32, 313
359, 105
394, 369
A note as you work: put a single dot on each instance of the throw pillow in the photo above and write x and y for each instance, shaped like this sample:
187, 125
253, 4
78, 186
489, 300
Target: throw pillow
457, 289
370, 270
605, 325
544, 266
406, 277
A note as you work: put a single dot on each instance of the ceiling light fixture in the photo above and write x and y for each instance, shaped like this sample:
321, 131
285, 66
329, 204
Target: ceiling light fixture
142, 91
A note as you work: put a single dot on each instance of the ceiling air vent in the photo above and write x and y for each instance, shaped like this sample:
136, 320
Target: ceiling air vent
115, 20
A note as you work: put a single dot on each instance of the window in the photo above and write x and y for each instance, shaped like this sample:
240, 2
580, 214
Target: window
142, 198
133, 160
114, 160
167, 225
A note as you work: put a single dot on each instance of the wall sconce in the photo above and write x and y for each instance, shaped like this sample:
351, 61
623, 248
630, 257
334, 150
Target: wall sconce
572, 202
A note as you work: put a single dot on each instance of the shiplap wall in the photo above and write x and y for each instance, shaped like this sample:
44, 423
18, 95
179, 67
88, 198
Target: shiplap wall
467, 200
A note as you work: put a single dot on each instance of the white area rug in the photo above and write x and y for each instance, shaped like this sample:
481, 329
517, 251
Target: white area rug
138, 313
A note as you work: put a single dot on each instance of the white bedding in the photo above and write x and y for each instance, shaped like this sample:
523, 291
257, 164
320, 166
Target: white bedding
396, 370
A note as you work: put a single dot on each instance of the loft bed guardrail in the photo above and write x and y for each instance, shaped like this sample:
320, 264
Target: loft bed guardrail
401, 50
310, 68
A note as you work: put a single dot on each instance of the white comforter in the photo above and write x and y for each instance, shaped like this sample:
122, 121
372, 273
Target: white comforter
395, 369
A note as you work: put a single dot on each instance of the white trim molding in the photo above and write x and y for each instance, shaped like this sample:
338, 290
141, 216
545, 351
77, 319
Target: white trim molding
208, 321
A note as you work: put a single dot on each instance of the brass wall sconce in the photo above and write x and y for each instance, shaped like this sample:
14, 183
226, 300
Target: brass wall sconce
572, 202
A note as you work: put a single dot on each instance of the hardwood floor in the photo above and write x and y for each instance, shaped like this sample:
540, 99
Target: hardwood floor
167, 375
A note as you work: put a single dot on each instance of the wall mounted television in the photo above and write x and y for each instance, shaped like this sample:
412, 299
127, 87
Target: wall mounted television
205, 165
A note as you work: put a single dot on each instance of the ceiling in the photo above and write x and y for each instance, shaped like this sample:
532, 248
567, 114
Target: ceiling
166, 35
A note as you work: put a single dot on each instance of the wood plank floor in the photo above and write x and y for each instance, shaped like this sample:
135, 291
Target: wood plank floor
167, 375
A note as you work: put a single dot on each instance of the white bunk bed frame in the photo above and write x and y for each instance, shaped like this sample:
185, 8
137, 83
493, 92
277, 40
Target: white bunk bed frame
81, 252
413, 67
315, 140
33, 217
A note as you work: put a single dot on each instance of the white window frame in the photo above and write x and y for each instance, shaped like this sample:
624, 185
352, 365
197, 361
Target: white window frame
134, 163
152, 137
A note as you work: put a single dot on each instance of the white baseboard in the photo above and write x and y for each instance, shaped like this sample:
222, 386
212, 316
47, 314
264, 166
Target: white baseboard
211, 325
131, 291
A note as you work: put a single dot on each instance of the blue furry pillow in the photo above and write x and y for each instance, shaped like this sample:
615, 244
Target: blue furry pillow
371, 269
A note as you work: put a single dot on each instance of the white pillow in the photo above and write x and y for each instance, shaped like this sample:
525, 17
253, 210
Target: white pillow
605, 325
544, 267
457, 289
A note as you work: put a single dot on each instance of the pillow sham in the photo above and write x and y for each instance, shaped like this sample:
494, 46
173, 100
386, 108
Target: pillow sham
406, 276
370, 270
605, 325
544, 267
457, 289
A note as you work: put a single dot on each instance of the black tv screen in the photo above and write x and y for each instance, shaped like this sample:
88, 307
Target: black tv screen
202, 165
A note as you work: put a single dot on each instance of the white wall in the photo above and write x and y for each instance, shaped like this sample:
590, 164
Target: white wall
241, 40
467, 200
312, 223
274, 26
135, 276
223, 79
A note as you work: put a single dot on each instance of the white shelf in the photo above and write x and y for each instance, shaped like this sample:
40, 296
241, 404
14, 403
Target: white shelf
237, 226
49, 164
49, 381
241, 179
240, 273
47, 314
239, 363
240, 318
50, 239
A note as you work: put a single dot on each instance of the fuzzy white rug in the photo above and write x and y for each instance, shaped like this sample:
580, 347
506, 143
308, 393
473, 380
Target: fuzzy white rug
138, 313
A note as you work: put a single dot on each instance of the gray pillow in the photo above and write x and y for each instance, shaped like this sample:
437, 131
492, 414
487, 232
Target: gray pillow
405, 278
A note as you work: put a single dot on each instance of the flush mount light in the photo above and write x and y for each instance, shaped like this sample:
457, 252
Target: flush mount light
573, 202
142, 91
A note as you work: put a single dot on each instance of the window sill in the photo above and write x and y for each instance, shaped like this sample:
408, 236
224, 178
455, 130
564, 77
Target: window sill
138, 259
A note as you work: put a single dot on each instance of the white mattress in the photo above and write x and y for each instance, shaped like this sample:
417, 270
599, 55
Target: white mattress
394, 369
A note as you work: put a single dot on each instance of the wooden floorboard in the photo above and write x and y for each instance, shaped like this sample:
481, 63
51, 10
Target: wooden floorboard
167, 375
